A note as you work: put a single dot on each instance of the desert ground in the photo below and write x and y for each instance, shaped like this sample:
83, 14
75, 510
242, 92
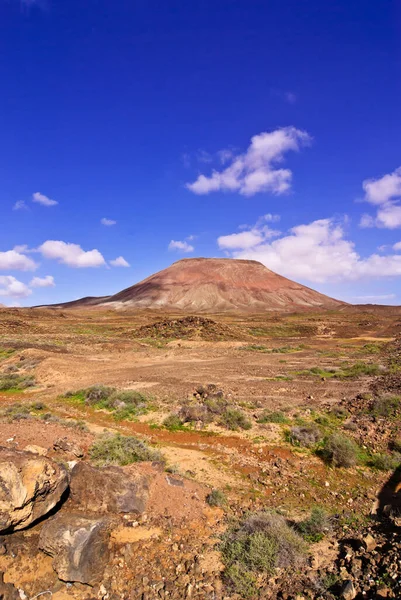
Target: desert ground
225, 401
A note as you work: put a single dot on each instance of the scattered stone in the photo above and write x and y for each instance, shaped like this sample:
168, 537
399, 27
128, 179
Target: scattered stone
174, 481
108, 490
64, 445
79, 546
31, 486
348, 592
369, 543
36, 450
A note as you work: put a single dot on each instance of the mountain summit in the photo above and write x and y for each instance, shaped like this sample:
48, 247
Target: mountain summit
215, 285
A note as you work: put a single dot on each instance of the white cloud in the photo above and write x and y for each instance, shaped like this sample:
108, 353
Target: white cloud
12, 288
119, 262
397, 247
20, 205
47, 281
375, 298
385, 193
181, 246
71, 254
204, 157
254, 170
316, 252
12, 260
107, 222
42, 199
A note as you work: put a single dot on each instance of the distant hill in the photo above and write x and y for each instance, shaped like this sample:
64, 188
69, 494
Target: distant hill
214, 285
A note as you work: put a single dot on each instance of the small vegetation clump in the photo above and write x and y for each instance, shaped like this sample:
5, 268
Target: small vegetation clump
340, 451
124, 404
267, 350
216, 498
6, 353
385, 462
121, 450
305, 436
211, 406
314, 528
269, 416
173, 423
345, 372
257, 546
12, 381
386, 406
234, 419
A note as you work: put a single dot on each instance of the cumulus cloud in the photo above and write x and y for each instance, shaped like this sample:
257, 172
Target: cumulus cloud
20, 205
119, 262
397, 247
14, 260
256, 169
180, 246
42, 199
107, 222
316, 252
385, 194
71, 254
10, 287
41, 282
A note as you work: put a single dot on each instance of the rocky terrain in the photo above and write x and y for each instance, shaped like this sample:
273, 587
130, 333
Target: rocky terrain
147, 456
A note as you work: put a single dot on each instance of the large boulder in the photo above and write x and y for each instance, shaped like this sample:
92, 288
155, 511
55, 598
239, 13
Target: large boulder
78, 545
30, 486
107, 490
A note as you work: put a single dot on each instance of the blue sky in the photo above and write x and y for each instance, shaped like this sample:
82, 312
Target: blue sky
185, 124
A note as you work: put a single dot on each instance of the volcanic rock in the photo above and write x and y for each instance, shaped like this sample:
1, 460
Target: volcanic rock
107, 490
31, 485
79, 545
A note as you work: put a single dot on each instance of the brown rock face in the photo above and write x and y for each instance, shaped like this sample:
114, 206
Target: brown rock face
30, 486
107, 490
79, 545
219, 284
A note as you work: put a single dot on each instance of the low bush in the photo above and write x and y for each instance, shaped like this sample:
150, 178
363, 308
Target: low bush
268, 416
304, 435
385, 462
13, 381
260, 544
121, 450
395, 444
195, 413
98, 393
234, 419
173, 423
216, 498
386, 406
315, 526
340, 451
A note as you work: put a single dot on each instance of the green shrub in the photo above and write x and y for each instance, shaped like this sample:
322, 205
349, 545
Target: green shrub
98, 393
173, 423
304, 435
386, 406
260, 544
234, 419
273, 417
316, 526
216, 498
385, 462
121, 450
340, 451
16, 382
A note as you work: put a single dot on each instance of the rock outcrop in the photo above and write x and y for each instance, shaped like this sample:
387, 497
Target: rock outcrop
107, 490
78, 545
30, 487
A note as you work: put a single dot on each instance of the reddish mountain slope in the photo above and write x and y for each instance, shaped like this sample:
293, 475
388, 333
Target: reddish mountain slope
218, 284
